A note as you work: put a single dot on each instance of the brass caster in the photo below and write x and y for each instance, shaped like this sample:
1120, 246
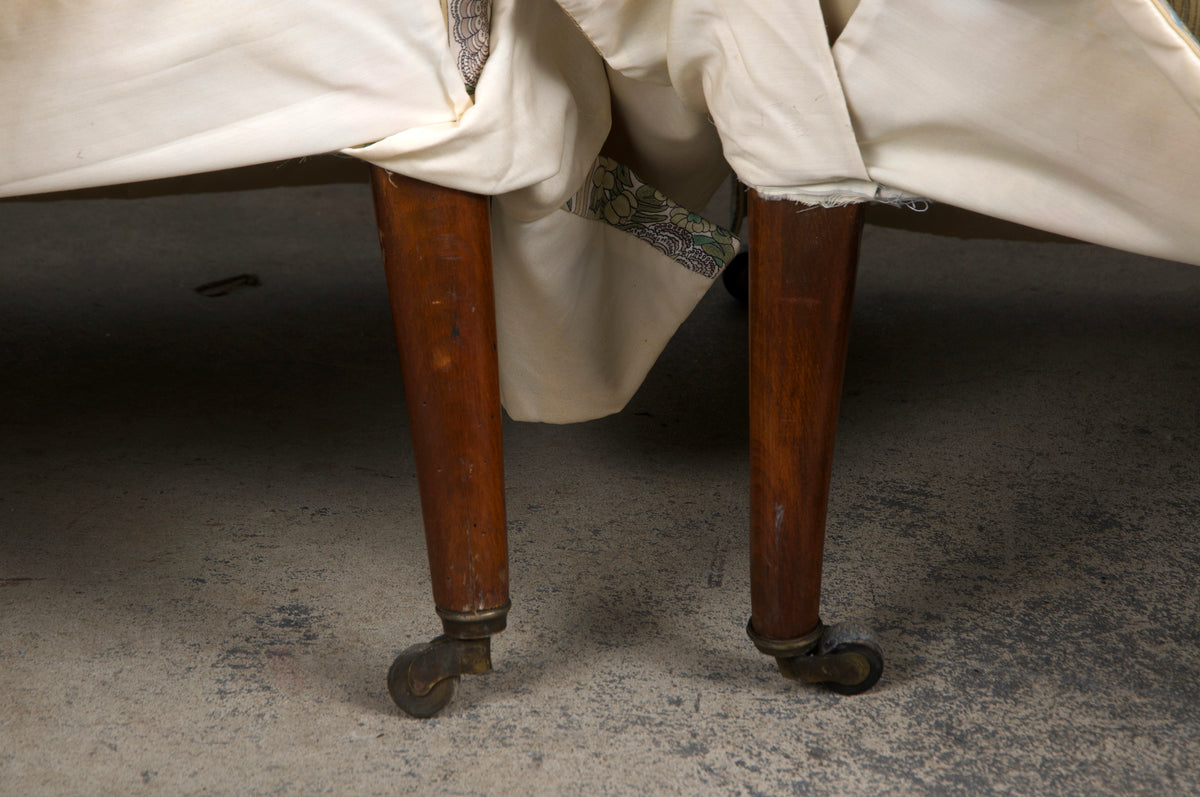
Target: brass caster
424, 678
844, 659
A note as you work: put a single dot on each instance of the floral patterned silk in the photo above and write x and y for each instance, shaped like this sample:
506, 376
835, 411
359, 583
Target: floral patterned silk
617, 197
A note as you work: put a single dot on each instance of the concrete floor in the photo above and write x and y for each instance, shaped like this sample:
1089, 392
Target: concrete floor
210, 544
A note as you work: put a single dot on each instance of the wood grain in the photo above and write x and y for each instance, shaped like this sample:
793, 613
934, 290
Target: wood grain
803, 263
437, 253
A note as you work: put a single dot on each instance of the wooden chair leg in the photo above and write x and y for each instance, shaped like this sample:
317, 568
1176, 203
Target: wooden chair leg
437, 253
803, 262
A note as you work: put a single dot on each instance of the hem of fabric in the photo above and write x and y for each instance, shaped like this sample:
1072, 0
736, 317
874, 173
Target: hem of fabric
1182, 26
607, 304
835, 195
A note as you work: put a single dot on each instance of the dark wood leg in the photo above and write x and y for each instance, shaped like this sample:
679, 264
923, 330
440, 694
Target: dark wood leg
437, 254
803, 263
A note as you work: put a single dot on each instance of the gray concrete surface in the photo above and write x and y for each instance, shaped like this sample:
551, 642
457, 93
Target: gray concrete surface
210, 546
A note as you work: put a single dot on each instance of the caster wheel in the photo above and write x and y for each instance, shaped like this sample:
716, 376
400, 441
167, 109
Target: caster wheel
856, 646
400, 685
843, 658
736, 277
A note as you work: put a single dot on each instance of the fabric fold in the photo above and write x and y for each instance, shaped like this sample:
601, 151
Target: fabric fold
600, 126
1078, 118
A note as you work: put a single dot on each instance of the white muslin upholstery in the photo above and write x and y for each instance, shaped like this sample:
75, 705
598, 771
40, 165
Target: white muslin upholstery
1081, 117
96, 92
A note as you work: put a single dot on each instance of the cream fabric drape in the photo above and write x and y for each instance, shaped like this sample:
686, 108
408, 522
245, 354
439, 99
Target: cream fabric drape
1081, 117
96, 92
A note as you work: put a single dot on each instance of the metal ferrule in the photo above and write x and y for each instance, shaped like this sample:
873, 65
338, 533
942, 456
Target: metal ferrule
787, 648
475, 625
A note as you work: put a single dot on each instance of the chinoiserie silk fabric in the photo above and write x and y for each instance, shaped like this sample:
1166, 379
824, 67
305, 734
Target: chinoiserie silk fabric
1077, 116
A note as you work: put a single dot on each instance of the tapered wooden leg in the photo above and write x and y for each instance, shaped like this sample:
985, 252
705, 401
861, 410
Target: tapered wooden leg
437, 254
802, 268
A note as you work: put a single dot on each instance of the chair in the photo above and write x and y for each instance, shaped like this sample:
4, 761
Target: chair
802, 267
817, 129
437, 256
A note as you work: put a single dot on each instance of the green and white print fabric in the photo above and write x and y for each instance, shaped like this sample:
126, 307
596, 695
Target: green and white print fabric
614, 194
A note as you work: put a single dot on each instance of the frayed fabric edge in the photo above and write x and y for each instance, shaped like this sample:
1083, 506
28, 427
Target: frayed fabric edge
836, 195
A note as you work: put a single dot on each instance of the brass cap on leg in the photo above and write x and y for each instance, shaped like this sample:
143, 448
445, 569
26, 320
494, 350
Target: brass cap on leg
475, 625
